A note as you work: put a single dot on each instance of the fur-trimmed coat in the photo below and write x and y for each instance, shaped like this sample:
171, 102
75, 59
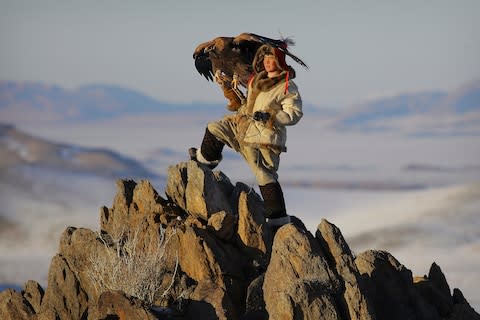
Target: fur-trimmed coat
281, 101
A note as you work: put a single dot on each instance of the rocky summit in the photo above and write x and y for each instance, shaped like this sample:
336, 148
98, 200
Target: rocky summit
204, 251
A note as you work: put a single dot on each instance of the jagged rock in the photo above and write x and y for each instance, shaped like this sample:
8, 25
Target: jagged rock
217, 267
210, 302
33, 293
255, 239
223, 224
77, 248
435, 291
48, 314
114, 220
298, 283
177, 295
461, 308
356, 296
255, 305
393, 294
430, 294
218, 262
436, 276
192, 221
136, 207
116, 305
196, 190
13, 306
224, 183
64, 295
194, 259
142, 217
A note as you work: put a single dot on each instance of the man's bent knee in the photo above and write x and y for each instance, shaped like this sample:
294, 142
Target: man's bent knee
264, 178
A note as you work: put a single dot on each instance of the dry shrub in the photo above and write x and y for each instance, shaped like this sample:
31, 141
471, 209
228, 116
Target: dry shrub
123, 266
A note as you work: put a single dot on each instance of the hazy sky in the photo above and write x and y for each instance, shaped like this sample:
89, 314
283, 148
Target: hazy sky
355, 49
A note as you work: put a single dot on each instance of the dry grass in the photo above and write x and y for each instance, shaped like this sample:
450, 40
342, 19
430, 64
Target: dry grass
136, 272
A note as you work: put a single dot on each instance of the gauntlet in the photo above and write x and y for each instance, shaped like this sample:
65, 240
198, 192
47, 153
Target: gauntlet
261, 116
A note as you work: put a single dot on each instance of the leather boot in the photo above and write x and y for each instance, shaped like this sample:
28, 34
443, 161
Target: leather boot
275, 211
273, 200
210, 152
211, 147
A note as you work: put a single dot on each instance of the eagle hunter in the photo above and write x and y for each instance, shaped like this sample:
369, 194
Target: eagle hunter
228, 62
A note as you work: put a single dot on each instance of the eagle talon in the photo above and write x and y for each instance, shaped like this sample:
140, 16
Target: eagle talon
235, 81
218, 77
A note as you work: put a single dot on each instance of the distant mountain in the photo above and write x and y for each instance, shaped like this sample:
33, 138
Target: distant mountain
46, 186
18, 149
91, 102
422, 113
428, 112
392, 107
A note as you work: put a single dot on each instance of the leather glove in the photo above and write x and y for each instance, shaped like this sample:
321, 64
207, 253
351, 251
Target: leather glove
261, 116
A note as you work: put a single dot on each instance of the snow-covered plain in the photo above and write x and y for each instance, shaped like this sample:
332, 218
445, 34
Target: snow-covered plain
417, 197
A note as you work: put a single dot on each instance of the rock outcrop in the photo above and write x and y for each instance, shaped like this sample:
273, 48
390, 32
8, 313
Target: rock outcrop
204, 251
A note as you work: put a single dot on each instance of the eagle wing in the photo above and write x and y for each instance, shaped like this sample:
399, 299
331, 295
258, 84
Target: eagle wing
234, 55
228, 55
228, 61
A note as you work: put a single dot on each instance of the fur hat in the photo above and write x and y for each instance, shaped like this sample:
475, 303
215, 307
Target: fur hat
266, 50
280, 58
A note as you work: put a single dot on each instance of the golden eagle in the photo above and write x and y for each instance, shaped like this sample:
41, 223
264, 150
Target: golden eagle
228, 61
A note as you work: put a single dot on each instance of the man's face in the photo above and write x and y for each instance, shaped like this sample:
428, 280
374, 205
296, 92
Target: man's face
270, 64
